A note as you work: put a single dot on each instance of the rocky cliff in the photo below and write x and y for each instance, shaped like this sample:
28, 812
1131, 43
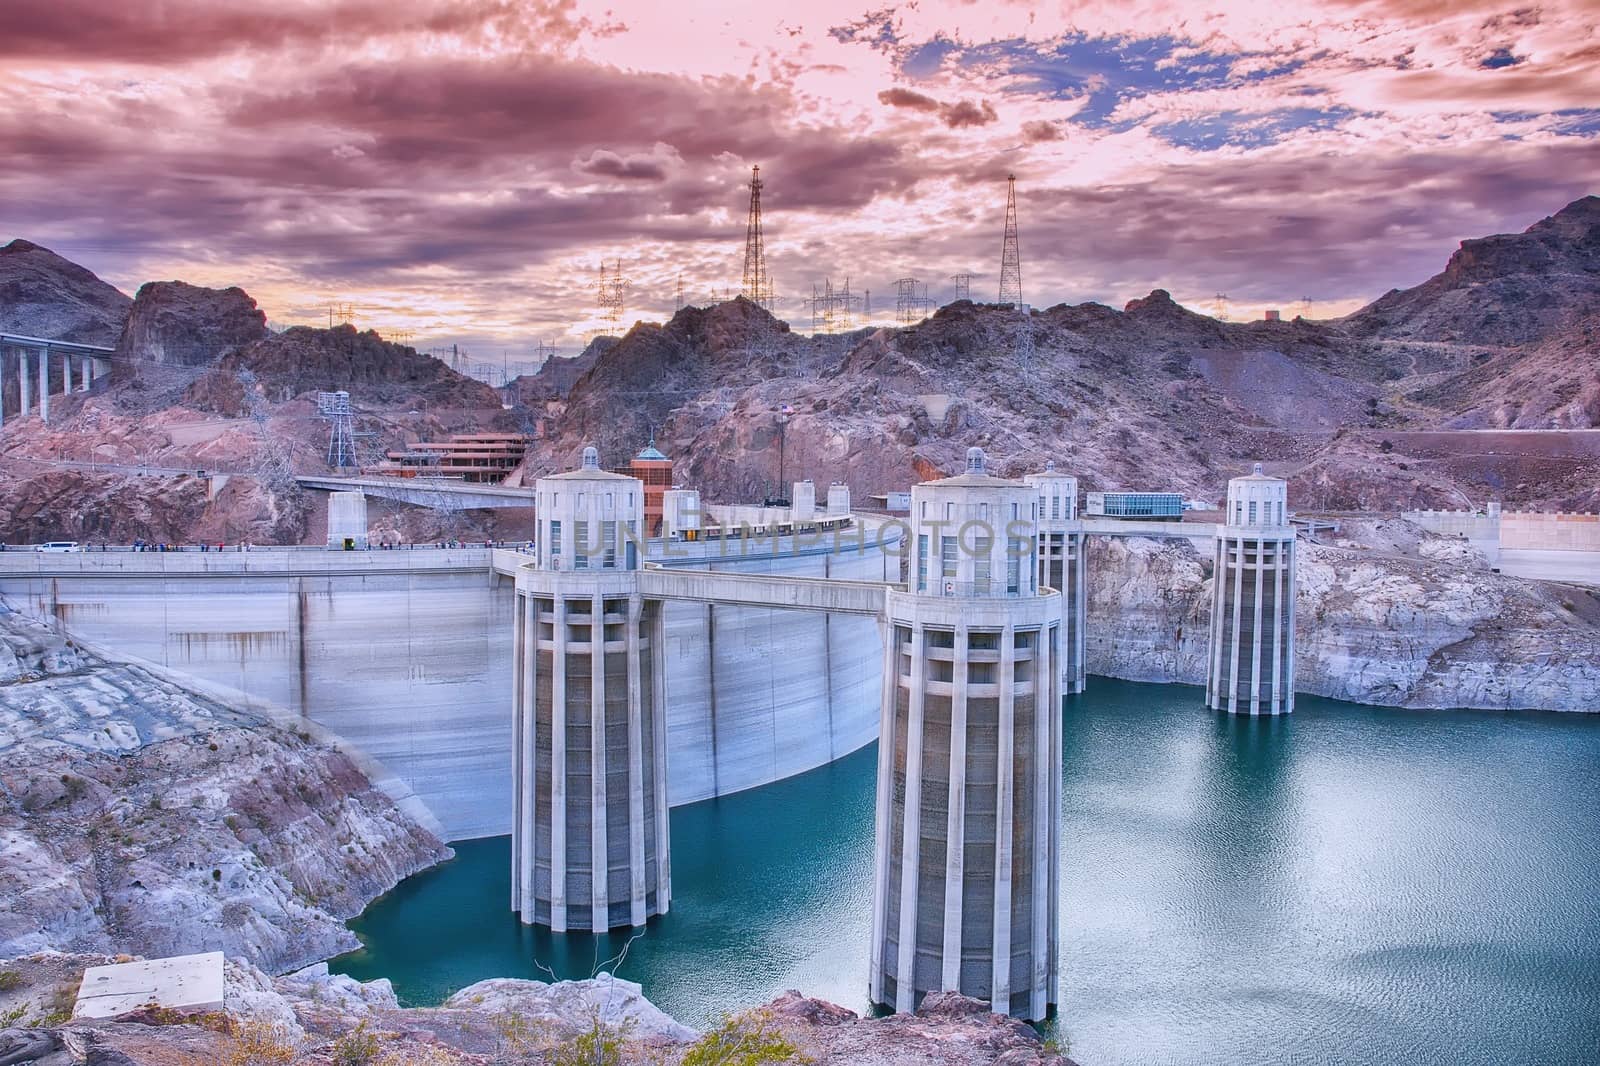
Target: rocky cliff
557, 375
1386, 613
375, 372
173, 323
137, 816
44, 295
1508, 289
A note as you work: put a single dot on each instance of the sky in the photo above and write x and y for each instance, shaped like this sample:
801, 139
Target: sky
458, 170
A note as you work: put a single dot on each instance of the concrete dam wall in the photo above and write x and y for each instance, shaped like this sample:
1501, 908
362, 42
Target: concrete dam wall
407, 656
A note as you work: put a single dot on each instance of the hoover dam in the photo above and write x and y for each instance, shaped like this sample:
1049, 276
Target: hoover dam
407, 656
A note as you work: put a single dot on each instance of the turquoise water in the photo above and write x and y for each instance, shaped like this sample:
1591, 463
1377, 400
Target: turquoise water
1350, 886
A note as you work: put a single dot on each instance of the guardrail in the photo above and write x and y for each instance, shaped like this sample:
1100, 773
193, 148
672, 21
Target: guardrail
278, 561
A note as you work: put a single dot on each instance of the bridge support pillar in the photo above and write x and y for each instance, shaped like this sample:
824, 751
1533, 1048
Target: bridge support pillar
44, 385
66, 373
1251, 661
589, 840
969, 767
25, 382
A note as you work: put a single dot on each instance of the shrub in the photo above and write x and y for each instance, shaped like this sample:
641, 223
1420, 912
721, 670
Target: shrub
356, 1048
516, 1033
598, 1045
743, 1040
10, 980
257, 1043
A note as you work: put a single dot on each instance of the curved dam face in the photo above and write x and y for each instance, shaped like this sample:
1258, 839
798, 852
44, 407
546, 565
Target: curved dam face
407, 655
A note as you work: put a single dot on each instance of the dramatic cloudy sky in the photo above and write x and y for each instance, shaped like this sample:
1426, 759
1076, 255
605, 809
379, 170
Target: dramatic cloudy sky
461, 167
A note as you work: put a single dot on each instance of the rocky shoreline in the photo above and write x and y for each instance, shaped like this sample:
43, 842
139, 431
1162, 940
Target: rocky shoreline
1387, 613
312, 1018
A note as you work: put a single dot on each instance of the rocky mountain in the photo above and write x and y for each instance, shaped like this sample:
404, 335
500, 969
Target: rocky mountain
1552, 383
173, 323
137, 816
1149, 396
556, 376
44, 295
376, 373
1508, 289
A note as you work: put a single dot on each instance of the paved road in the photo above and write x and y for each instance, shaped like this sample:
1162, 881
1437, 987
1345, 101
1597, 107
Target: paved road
1579, 566
118, 468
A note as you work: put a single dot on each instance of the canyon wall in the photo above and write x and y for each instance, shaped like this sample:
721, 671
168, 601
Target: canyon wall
1386, 613
136, 815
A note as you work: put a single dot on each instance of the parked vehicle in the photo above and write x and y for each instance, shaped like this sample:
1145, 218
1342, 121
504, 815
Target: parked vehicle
60, 546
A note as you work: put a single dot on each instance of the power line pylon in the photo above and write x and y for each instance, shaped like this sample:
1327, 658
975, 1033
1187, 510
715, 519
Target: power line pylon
1219, 307
611, 288
1010, 255
757, 287
341, 314
335, 407
963, 283
832, 310
273, 466
911, 303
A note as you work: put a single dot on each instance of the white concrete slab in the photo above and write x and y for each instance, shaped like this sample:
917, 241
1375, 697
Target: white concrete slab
184, 982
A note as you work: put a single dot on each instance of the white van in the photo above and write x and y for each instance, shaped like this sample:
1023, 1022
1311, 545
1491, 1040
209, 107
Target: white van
59, 546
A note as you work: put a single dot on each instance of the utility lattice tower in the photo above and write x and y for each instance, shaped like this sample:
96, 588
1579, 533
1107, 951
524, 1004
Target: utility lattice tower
832, 310
273, 467
911, 303
963, 284
335, 407
1219, 307
1010, 256
757, 287
611, 290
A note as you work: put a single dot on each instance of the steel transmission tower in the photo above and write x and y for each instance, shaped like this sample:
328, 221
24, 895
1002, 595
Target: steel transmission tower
963, 287
757, 287
612, 290
1010, 257
911, 303
335, 407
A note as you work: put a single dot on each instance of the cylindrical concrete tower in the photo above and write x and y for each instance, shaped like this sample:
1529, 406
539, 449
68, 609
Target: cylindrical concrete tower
969, 757
1252, 604
1062, 564
589, 840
